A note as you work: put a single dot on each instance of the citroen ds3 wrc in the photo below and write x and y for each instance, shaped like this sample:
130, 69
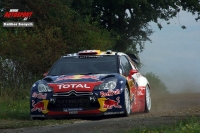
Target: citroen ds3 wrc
91, 82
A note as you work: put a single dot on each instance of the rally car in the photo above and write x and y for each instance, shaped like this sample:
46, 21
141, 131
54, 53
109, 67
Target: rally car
91, 82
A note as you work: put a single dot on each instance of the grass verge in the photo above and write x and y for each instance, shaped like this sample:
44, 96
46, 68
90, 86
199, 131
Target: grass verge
15, 114
189, 125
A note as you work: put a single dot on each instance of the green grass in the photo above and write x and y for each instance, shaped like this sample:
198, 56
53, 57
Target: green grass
14, 113
14, 109
189, 125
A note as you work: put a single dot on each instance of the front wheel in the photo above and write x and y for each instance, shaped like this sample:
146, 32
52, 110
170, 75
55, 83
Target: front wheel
127, 102
147, 100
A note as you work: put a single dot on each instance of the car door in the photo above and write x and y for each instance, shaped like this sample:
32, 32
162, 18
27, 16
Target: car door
126, 67
139, 94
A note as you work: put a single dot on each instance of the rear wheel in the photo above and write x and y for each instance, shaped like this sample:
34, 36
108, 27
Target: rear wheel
127, 102
147, 99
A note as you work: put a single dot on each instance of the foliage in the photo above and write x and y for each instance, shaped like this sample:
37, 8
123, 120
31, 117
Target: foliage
26, 53
55, 33
128, 20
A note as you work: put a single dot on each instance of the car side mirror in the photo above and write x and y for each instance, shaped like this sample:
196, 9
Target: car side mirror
45, 74
133, 71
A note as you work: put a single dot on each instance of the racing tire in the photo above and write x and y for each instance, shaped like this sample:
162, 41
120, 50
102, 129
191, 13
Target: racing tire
147, 100
127, 102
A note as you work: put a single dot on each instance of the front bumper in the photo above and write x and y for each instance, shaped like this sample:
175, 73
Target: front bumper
47, 105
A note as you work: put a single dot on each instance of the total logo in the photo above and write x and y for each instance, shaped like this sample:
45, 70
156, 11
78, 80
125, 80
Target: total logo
65, 86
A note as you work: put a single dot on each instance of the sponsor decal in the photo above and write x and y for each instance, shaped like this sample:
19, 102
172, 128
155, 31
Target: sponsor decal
37, 106
73, 101
65, 86
89, 52
73, 112
77, 77
131, 83
89, 77
101, 102
37, 115
109, 93
72, 109
113, 113
40, 106
109, 104
39, 95
77, 87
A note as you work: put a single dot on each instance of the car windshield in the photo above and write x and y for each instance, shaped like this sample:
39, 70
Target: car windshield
85, 65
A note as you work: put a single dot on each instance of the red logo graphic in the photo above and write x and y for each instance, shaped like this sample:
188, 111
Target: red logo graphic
39, 95
38, 106
14, 13
110, 93
109, 104
77, 77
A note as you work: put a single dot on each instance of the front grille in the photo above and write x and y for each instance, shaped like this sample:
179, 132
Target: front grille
73, 102
73, 93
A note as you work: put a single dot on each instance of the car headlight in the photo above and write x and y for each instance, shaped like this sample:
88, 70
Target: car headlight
107, 85
44, 88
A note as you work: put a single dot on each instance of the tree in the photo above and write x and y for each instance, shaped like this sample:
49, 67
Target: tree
57, 30
128, 20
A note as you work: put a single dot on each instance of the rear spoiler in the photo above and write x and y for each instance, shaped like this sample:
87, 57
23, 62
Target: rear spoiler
134, 58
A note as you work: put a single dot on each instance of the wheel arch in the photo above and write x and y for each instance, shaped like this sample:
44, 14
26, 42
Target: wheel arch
142, 81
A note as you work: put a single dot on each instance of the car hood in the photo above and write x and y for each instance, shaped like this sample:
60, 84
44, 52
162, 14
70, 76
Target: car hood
77, 83
79, 78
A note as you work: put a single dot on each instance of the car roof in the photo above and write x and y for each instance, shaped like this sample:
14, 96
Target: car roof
133, 57
94, 52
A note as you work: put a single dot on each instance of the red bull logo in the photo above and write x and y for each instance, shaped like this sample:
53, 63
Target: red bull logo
109, 93
38, 106
77, 77
39, 95
109, 104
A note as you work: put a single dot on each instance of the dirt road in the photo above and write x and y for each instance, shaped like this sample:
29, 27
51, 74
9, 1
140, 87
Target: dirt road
166, 109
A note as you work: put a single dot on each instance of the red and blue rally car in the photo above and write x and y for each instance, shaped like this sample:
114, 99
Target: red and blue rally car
91, 82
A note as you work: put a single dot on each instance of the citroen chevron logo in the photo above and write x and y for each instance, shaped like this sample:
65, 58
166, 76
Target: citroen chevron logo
73, 92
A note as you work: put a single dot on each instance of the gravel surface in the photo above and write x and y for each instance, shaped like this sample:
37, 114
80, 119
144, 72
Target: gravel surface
166, 109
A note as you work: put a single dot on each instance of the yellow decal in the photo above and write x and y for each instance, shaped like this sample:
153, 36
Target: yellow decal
98, 51
130, 83
45, 106
101, 102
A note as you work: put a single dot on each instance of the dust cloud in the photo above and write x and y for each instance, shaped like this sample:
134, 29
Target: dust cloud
184, 93
181, 81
